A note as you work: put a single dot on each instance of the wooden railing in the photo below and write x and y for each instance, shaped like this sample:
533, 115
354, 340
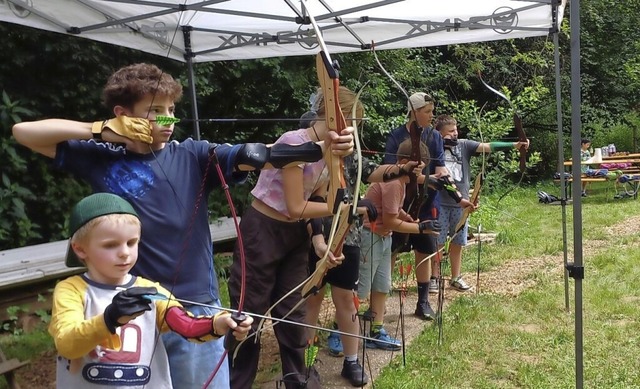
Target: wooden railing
42, 262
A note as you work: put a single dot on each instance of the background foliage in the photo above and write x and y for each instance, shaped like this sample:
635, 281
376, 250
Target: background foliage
49, 75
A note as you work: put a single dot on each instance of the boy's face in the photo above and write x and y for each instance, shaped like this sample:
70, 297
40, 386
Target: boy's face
586, 145
151, 106
449, 131
424, 115
110, 250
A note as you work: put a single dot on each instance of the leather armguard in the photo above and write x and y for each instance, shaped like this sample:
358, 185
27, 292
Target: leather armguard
281, 155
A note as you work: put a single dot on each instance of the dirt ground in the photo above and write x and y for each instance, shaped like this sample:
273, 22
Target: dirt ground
510, 279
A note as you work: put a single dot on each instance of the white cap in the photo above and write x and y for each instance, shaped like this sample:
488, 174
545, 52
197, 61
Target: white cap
418, 100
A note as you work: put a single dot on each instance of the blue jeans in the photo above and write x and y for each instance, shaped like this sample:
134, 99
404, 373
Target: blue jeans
191, 363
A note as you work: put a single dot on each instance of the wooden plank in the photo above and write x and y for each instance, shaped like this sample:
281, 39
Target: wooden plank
11, 365
569, 163
26, 265
585, 179
223, 230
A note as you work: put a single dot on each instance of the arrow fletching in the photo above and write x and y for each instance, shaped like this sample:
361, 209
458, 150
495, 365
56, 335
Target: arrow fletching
166, 120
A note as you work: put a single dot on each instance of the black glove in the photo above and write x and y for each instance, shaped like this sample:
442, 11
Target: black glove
429, 226
129, 302
372, 212
434, 183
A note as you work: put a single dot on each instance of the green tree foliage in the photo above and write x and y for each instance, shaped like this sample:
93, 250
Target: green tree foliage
15, 225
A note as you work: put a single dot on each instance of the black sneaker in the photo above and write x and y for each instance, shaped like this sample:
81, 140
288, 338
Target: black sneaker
352, 371
424, 311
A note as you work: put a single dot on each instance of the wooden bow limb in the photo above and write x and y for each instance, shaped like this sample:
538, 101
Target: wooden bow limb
475, 198
428, 257
314, 282
522, 136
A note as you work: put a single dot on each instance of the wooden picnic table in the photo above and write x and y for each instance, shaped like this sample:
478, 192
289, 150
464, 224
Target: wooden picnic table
628, 159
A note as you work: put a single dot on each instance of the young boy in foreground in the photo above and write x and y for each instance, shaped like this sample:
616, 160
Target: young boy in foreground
106, 323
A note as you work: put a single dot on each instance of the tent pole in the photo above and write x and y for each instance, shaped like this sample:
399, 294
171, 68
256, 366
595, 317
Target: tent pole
563, 181
576, 269
188, 56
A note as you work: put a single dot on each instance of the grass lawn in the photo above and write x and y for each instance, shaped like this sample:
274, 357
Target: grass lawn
527, 340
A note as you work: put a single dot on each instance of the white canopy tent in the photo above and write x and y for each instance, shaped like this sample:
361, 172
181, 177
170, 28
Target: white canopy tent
216, 30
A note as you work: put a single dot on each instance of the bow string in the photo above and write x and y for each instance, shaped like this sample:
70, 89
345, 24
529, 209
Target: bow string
338, 198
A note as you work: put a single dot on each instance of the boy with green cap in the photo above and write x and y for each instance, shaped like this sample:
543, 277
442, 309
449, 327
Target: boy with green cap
106, 322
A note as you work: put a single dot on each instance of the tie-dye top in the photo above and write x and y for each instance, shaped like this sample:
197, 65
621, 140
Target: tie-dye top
270, 189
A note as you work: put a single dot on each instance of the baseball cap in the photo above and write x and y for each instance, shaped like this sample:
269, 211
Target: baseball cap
418, 100
89, 208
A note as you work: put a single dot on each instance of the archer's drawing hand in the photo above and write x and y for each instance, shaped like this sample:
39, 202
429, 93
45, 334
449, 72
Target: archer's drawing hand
130, 128
365, 206
127, 305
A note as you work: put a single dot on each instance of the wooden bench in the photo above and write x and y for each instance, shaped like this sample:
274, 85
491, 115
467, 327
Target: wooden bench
8, 367
582, 179
42, 262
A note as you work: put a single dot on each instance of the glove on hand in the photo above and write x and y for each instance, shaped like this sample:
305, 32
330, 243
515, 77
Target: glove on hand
428, 226
372, 212
127, 305
434, 183
136, 129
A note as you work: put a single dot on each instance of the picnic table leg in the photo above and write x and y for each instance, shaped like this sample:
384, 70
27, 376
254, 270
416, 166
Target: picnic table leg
11, 380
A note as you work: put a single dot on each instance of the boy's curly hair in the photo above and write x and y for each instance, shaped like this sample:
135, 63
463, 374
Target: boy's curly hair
131, 83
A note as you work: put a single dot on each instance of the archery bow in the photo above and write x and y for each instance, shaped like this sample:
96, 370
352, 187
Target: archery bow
344, 225
414, 196
522, 136
338, 197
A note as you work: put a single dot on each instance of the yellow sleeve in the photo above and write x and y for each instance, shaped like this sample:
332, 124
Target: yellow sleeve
73, 335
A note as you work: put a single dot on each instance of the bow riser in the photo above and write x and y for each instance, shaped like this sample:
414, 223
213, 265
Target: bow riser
335, 121
415, 192
522, 137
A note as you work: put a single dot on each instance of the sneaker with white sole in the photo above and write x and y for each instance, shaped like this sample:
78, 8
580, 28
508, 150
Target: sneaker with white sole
459, 284
353, 372
390, 344
334, 344
433, 285
424, 311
